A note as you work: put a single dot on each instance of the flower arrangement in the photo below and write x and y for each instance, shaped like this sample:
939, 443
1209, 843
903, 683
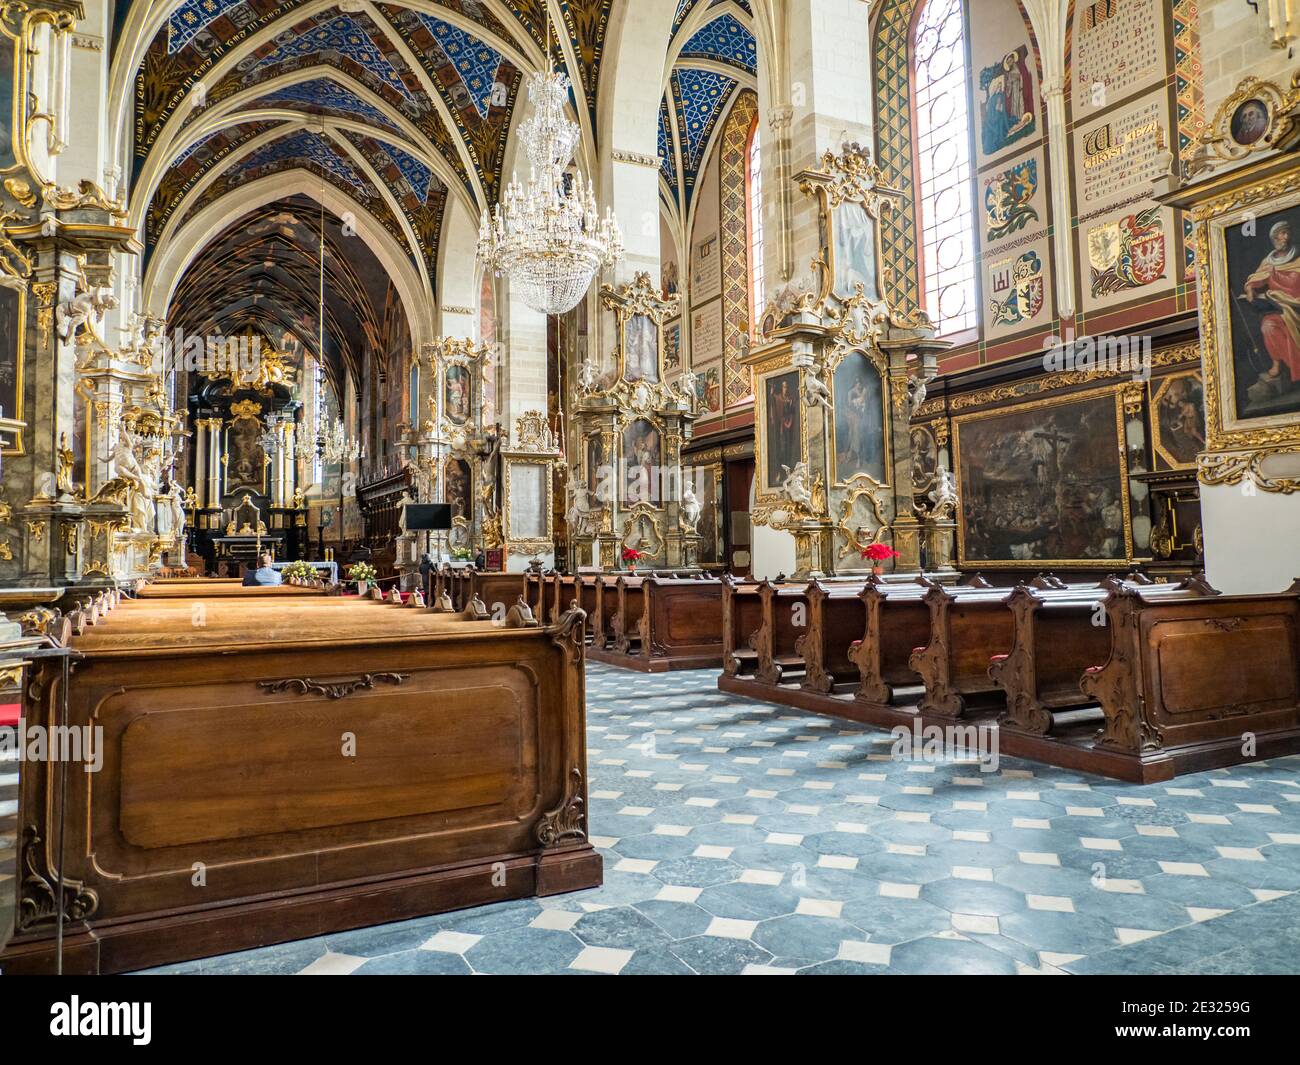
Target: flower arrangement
299, 571
460, 554
877, 555
361, 572
631, 556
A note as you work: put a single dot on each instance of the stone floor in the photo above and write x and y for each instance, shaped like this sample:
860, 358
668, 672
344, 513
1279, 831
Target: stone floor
745, 838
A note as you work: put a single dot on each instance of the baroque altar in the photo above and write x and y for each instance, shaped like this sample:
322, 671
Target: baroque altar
626, 490
838, 373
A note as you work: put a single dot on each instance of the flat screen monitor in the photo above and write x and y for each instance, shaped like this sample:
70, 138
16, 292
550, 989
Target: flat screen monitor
428, 517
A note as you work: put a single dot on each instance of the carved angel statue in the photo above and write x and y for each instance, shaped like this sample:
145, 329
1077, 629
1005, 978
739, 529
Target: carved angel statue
84, 312
139, 500
691, 507
588, 375
815, 391
581, 515
686, 387
944, 493
795, 487
789, 298
916, 390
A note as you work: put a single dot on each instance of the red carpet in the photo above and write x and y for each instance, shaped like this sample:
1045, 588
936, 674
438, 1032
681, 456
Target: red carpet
9, 713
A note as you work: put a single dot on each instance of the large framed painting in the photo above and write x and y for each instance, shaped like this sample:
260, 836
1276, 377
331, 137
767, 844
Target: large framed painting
13, 313
1044, 483
854, 246
528, 502
642, 461
1262, 263
1250, 314
782, 442
860, 415
640, 348
1178, 420
458, 492
458, 394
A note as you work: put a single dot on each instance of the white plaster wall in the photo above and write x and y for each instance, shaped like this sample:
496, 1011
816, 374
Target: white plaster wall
773, 551
1252, 542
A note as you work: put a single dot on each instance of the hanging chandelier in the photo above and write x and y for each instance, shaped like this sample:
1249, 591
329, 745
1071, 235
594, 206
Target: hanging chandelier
549, 239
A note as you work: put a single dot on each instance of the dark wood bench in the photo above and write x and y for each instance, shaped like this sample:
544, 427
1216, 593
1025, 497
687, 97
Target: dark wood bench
1057, 636
742, 616
1198, 682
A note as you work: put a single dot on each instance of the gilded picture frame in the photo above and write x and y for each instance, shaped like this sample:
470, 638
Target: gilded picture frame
874, 361
1249, 210
640, 315
776, 370
848, 184
1165, 392
540, 537
1113, 397
13, 329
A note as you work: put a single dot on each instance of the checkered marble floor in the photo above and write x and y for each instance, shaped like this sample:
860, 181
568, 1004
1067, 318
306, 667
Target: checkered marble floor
741, 837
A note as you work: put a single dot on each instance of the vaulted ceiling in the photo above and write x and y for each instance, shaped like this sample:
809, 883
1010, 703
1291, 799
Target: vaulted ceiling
401, 108
712, 57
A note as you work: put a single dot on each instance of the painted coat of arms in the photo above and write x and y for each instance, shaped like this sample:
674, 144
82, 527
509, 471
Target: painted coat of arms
1127, 254
1007, 198
1019, 286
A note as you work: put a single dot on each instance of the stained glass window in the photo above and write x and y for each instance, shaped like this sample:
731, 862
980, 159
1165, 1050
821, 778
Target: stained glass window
942, 118
757, 295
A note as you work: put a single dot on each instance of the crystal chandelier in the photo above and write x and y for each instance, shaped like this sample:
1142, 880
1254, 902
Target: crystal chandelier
549, 238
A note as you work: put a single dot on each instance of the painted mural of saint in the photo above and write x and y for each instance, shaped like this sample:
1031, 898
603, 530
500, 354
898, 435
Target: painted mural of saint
1007, 110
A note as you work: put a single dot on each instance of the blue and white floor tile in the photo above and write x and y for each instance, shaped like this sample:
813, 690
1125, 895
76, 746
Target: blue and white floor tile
741, 837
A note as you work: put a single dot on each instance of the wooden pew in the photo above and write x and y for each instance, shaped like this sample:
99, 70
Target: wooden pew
1058, 634
836, 616
624, 626
606, 607
1197, 682
742, 617
226, 747
966, 632
664, 622
897, 621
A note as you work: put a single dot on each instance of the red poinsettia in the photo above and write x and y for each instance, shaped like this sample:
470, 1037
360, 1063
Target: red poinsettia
879, 553
631, 554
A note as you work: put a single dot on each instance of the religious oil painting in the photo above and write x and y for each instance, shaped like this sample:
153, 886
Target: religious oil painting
1044, 482
783, 442
458, 396
859, 420
246, 461
855, 250
458, 489
1178, 420
641, 349
1263, 265
1249, 122
11, 355
7, 158
642, 461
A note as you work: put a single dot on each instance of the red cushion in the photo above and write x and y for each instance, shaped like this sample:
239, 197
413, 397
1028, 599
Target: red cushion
9, 713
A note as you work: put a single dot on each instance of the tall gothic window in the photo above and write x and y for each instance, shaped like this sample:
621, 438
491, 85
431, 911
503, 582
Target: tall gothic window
754, 187
942, 119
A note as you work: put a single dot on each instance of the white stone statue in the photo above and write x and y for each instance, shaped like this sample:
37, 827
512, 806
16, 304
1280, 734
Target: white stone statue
815, 391
944, 493
588, 376
177, 500
581, 515
795, 487
916, 390
85, 310
691, 507
686, 386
